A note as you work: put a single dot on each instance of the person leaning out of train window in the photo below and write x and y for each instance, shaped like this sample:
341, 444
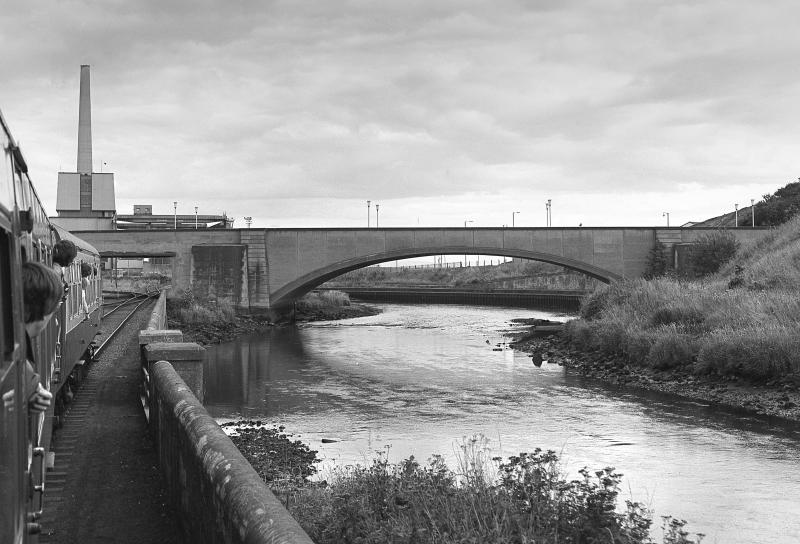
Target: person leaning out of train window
41, 296
64, 252
86, 271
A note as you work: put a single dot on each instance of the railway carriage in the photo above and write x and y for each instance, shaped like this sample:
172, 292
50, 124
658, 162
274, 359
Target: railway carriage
26, 234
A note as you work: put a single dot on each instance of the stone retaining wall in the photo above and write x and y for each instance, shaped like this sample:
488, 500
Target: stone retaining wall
219, 497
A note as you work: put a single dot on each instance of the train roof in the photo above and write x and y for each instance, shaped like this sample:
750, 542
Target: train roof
81, 244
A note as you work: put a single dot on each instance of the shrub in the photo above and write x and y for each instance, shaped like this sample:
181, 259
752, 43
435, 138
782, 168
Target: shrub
656, 264
637, 346
711, 251
317, 300
192, 309
578, 333
523, 499
670, 350
756, 353
686, 316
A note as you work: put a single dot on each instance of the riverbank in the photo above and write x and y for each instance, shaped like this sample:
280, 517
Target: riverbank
774, 398
219, 328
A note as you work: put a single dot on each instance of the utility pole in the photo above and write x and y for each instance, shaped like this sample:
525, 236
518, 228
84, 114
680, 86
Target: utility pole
465, 226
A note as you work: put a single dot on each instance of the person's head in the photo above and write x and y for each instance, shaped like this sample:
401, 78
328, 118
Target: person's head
41, 294
86, 270
64, 252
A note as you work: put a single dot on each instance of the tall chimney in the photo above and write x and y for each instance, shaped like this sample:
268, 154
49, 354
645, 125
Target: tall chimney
85, 124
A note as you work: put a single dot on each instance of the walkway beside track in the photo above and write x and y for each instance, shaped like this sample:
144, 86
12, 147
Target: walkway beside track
105, 485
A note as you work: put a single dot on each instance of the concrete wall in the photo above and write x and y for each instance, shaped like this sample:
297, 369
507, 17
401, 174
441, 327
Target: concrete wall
220, 497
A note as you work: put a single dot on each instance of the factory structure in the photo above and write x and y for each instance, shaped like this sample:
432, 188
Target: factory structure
85, 200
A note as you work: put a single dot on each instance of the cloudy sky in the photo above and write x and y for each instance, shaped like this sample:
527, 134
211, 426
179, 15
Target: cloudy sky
296, 113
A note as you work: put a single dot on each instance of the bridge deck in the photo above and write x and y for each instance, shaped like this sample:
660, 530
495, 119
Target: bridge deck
105, 485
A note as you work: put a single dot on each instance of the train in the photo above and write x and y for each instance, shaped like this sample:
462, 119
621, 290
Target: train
61, 352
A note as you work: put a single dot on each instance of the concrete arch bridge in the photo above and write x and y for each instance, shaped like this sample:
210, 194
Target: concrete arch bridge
262, 270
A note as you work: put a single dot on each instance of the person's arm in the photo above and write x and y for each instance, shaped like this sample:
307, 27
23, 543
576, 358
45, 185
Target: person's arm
39, 398
84, 286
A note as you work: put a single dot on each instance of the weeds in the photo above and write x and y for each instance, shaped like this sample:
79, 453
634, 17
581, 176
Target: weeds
525, 498
317, 300
194, 310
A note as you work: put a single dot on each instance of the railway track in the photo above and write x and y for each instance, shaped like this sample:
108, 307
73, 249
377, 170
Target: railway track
117, 312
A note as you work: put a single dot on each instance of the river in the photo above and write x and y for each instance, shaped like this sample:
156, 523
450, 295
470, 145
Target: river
417, 379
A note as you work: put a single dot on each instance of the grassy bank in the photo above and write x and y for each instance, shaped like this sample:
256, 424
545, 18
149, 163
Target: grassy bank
740, 323
209, 321
328, 305
525, 498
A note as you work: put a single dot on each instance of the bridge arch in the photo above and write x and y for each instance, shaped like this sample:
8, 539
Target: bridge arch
295, 289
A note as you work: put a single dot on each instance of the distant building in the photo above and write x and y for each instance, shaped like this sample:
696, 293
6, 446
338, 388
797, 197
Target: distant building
85, 199
143, 219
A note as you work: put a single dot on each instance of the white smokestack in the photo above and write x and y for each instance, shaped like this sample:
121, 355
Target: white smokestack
85, 124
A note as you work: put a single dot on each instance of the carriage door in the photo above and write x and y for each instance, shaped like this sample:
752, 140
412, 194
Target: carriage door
12, 446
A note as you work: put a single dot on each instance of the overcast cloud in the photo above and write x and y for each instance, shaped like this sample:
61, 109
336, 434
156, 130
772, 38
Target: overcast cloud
296, 113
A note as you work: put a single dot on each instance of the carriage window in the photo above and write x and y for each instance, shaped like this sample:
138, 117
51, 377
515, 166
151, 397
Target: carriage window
6, 316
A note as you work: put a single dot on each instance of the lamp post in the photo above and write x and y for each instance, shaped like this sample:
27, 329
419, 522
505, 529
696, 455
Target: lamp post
513, 215
248, 220
175, 211
753, 211
549, 206
368, 213
736, 215
195, 218
666, 214
377, 216
465, 226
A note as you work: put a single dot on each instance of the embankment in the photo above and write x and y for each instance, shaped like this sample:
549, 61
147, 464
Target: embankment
774, 398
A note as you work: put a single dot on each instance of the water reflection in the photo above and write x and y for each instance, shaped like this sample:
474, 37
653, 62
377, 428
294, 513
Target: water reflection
420, 378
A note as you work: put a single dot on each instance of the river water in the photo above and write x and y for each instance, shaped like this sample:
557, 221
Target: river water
417, 379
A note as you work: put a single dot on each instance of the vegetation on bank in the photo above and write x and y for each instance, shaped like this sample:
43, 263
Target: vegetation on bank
525, 498
327, 305
740, 322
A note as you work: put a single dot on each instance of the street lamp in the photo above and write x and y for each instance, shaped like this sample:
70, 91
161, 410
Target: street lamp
195, 218
736, 214
368, 201
513, 215
666, 214
753, 211
175, 210
465, 226
248, 220
549, 206
377, 216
